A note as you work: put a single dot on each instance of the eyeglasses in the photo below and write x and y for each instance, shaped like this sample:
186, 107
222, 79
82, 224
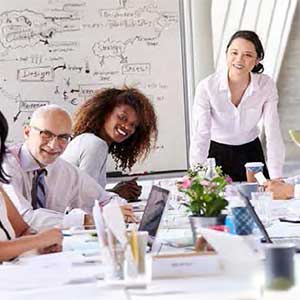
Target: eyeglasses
49, 136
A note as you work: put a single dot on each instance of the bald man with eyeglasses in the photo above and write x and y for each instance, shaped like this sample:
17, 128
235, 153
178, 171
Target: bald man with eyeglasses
47, 190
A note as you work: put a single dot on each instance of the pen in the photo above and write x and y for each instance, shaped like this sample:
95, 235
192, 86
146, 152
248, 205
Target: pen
295, 221
67, 210
67, 234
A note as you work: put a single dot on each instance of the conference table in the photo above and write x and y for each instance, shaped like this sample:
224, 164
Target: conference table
77, 273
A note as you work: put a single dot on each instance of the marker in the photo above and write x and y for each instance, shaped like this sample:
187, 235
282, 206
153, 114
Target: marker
134, 245
67, 234
67, 210
114, 174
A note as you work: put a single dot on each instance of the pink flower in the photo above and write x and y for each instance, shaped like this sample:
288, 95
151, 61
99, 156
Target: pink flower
229, 179
205, 182
186, 183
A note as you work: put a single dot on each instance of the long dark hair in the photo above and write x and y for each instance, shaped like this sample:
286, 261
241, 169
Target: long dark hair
252, 37
3, 136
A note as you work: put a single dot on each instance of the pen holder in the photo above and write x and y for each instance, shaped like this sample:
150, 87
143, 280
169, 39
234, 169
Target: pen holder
141, 275
140, 251
128, 266
115, 263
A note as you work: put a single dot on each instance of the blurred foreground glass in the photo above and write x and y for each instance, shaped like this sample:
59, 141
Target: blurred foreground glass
279, 266
114, 268
262, 202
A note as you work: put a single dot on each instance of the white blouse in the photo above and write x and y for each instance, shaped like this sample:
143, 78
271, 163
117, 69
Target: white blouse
5, 222
216, 118
89, 153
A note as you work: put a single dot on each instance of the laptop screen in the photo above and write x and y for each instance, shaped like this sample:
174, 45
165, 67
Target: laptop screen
154, 209
257, 220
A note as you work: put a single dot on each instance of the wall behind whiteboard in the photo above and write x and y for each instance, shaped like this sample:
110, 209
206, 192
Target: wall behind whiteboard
60, 52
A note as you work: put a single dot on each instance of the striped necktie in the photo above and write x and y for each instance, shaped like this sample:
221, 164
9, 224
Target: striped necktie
38, 193
5, 231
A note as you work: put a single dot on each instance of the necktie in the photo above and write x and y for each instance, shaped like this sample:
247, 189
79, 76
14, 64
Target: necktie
38, 193
5, 231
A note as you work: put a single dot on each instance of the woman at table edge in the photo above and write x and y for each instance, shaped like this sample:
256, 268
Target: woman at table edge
16, 237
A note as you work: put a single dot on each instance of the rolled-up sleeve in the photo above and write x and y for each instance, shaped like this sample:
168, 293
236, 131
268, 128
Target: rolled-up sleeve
201, 126
87, 190
38, 219
274, 141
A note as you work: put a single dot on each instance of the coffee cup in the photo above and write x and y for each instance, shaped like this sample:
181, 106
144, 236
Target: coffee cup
251, 169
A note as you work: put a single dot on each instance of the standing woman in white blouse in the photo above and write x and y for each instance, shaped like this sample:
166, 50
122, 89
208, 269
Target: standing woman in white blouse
16, 237
227, 108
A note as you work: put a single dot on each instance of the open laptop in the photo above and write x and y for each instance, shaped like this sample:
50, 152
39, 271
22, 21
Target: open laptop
153, 213
263, 231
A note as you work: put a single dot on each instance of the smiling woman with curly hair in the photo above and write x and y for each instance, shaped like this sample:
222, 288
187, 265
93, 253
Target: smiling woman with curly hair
117, 121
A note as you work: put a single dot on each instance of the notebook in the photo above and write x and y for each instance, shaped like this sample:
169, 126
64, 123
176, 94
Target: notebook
153, 213
237, 247
263, 231
237, 254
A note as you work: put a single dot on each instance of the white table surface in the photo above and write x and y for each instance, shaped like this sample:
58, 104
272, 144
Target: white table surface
70, 275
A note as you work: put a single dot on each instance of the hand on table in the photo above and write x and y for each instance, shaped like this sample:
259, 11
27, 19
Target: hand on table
280, 189
50, 240
51, 249
128, 190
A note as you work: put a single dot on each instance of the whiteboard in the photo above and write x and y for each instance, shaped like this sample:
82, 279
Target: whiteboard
58, 51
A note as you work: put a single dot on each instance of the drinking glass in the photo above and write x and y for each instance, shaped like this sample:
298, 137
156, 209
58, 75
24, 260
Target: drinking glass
231, 193
262, 204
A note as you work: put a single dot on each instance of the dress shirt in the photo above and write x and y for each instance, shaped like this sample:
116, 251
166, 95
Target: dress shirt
89, 153
216, 118
65, 185
5, 222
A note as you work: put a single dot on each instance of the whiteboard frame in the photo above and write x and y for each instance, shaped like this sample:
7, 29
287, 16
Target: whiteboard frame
184, 17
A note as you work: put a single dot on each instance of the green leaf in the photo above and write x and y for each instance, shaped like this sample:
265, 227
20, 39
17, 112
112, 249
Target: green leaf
206, 200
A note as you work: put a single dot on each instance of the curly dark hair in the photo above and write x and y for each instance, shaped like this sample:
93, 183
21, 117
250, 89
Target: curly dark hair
3, 135
91, 115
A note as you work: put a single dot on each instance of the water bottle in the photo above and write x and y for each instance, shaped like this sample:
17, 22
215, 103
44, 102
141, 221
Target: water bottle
229, 223
211, 171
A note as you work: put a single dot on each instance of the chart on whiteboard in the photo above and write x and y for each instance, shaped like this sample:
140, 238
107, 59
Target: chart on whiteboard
58, 51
